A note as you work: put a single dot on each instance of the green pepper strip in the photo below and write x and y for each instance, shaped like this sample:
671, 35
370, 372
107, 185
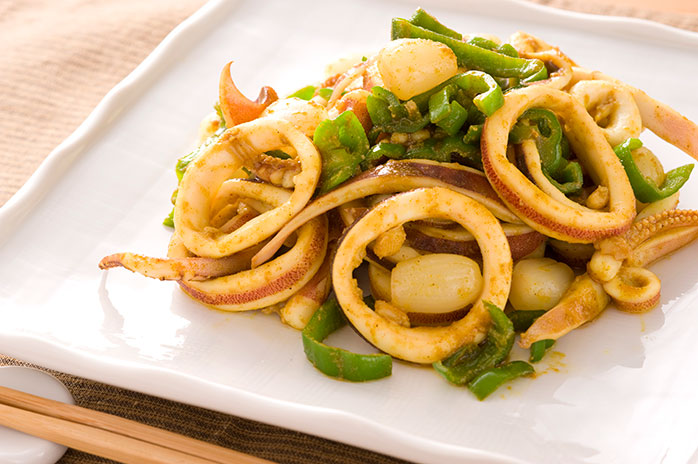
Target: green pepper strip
479, 86
423, 19
522, 320
569, 179
473, 134
443, 150
468, 361
325, 93
342, 144
337, 362
539, 348
169, 220
488, 381
544, 127
474, 57
380, 150
504, 49
306, 93
448, 115
389, 115
646, 190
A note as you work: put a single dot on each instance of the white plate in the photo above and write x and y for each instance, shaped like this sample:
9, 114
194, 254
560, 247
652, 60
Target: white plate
624, 390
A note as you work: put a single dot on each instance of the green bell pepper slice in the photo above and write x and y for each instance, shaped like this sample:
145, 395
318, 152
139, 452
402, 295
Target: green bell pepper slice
470, 360
337, 362
522, 320
473, 134
389, 115
487, 44
306, 93
342, 144
480, 87
543, 126
490, 380
645, 189
444, 150
423, 19
474, 57
448, 115
381, 150
539, 348
169, 219
186, 160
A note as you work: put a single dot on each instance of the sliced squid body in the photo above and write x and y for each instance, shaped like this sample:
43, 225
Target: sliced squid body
393, 177
240, 146
612, 106
274, 282
539, 210
423, 344
658, 117
228, 283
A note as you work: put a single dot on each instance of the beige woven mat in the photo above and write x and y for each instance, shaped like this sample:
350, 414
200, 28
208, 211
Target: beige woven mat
58, 60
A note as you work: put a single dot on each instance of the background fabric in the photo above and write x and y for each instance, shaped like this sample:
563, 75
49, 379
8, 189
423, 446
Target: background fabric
58, 60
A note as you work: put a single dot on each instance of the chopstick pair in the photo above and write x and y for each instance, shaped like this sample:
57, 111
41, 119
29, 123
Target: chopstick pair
108, 436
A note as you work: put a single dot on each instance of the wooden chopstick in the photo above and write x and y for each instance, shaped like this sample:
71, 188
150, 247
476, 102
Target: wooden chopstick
109, 436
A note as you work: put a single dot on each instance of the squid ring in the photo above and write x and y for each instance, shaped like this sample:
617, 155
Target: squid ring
228, 283
391, 177
634, 289
266, 285
530, 46
612, 106
528, 201
660, 118
272, 282
531, 159
423, 344
558, 79
240, 146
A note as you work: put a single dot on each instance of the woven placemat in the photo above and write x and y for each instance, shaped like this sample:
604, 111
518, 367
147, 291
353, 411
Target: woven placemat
251, 437
59, 59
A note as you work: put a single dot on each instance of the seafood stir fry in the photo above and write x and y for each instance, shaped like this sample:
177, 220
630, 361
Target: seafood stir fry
487, 188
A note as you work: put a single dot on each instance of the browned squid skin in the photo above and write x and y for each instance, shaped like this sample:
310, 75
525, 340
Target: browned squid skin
521, 244
279, 279
298, 310
538, 209
392, 177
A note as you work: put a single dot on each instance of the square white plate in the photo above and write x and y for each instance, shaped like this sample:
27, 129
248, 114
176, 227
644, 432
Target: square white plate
621, 389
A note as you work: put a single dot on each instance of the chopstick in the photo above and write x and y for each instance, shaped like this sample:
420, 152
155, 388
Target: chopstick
109, 436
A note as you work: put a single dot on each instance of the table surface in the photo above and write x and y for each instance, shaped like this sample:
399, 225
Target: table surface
46, 91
